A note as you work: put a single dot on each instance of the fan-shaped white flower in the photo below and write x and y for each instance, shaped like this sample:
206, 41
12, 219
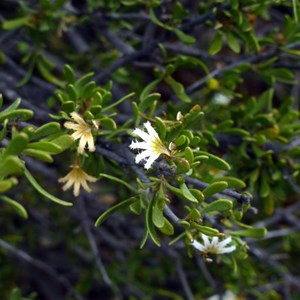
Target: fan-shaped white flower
78, 178
152, 145
213, 245
83, 132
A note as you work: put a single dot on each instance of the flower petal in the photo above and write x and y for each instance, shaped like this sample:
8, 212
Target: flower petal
225, 242
198, 246
77, 118
151, 130
205, 240
143, 155
227, 249
139, 145
151, 160
142, 134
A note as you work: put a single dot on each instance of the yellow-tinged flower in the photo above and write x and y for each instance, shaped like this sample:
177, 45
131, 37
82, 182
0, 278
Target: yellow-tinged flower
214, 245
82, 131
78, 178
152, 145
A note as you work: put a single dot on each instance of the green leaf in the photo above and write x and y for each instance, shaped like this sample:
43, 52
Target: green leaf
216, 44
45, 72
157, 21
263, 102
187, 194
64, 142
11, 107
214, 188
161, 127
72, 93
15, 23
69, 74
268, 203
215, 161
282, 75
207, 230
182, 165
217, 205
148, 101
252, 41
158, 216
39, 154
264, 190
181, 140
16, 205
183, 193
257, 233
185, 38
233, 42
197, 194
167, 228
16, 145
233, 183
295, 10
44, 193
178, 89
147, 90
87, 90
11, 165
103, 217
7, 184
49, 147
149, 222
189, 155
193, 215
234, 131
20, 114
116, 179
95, 109
108, 123
46, 130
68, 106
136, 207
107, 108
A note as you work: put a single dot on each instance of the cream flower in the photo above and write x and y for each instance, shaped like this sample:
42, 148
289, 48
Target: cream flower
77, 177
152, 145
83, 132
214, 245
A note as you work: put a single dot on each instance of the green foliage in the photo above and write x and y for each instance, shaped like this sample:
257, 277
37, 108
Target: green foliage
181, 118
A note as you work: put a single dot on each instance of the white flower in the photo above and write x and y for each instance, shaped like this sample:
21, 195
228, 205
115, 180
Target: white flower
221, 99
83, 132
227, 296
77, 177
214, 245
152, 145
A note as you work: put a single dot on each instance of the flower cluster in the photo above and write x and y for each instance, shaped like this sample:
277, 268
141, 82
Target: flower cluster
213, 245
82, 132
151, 145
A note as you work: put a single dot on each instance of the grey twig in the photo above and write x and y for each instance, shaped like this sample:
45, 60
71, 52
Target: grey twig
183, 279
96, 253
205, 272
23, 256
